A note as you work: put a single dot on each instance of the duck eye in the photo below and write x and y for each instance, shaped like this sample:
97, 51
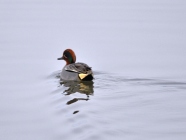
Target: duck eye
64, 56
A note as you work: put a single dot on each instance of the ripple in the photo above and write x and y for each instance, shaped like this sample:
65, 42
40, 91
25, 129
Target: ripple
55, 74
112, 106
113, 81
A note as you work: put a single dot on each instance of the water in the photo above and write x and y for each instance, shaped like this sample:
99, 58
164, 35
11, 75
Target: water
135, 48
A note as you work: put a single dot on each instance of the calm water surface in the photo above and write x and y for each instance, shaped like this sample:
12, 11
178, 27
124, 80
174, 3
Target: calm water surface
136, 49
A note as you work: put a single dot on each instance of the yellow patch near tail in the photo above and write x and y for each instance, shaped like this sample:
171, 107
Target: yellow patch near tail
82, 76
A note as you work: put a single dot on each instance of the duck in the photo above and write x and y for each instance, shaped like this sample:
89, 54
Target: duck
74, 71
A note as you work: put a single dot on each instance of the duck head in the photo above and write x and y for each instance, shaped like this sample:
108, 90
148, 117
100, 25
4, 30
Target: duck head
69, 56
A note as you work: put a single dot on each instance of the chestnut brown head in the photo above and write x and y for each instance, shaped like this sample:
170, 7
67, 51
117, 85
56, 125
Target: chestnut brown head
69, 56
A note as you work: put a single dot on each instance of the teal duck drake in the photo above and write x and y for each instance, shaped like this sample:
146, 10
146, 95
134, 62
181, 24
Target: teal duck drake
74, 71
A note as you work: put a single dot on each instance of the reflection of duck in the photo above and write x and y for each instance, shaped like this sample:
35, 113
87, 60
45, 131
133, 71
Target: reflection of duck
84, 87
74, 71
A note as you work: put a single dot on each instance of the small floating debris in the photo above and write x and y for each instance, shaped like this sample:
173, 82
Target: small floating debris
75, 112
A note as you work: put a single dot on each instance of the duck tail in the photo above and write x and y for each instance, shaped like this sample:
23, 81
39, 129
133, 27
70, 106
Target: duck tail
85, 77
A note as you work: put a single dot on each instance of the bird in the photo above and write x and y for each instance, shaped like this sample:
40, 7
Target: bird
73, 71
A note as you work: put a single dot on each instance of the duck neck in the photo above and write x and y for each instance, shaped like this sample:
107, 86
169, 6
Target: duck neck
68, 62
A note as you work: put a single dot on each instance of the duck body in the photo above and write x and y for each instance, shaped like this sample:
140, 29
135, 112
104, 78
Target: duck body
77, 72
74, 71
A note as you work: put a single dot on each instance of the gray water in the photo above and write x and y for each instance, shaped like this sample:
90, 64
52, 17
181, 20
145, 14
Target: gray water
137, 50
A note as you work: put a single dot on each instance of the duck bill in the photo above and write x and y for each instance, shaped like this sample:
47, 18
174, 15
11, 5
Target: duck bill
61, 58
